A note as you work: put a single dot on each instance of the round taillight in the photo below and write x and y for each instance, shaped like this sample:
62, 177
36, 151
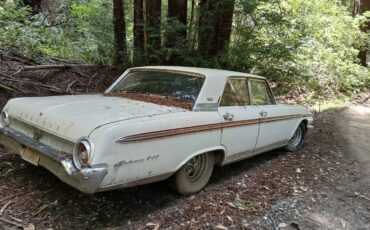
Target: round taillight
4, 119
82, 153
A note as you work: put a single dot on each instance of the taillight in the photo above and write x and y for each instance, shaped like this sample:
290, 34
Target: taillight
82, 153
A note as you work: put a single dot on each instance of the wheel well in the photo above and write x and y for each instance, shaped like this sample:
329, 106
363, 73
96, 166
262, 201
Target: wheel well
305, 122
219, 156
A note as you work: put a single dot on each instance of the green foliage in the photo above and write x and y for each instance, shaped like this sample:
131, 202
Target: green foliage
80, 31
301, 45
17, 29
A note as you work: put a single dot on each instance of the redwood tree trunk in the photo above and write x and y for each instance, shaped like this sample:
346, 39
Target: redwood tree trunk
177, 10
177, 30
215, 23
152, 33
119, 32
138, 31
360, 7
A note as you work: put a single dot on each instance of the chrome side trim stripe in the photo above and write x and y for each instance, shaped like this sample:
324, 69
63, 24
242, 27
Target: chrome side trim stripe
200, 128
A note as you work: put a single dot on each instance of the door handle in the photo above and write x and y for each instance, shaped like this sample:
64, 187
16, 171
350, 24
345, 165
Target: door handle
263, 114
228, 116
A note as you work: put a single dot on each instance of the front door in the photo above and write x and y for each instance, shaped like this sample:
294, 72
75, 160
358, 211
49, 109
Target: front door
240, 121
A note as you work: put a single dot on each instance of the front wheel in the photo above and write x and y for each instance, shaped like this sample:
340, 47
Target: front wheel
296, 141
194, 175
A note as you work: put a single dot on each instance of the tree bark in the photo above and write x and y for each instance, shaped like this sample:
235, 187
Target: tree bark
215, 24
360, 7
34, 4
119, 32
138, 31
177, 10
177, 30
152, 33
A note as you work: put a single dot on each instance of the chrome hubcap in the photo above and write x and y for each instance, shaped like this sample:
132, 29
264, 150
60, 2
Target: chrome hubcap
195, 167
296, 138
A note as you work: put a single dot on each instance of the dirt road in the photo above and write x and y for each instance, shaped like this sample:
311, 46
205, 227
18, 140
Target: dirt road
323, 186
355, 127
344, 203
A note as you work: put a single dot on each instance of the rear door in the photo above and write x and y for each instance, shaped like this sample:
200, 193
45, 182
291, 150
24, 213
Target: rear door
240, 121
275, 122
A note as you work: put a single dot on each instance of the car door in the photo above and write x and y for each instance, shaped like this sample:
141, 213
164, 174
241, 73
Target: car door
240, 123
275, 123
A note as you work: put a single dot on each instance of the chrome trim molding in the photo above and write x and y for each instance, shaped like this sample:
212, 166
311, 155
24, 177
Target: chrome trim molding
200, 128
61, 164
206, 107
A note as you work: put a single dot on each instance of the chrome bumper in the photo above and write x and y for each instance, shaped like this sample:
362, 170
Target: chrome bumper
87, 180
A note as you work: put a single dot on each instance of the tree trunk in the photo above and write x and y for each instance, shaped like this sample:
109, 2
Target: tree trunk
215, 23
360, 7
152, 32
177, 10
138, 31
34, 4
119, 32
177, 28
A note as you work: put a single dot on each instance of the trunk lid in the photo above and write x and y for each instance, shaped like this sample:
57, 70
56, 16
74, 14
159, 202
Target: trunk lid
73, 117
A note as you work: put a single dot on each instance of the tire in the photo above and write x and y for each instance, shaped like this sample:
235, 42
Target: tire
296, 141
194, 175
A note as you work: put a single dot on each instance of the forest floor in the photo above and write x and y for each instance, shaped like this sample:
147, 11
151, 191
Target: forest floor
326, 185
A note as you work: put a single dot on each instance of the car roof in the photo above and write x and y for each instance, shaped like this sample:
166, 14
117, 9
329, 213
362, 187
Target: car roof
203, 71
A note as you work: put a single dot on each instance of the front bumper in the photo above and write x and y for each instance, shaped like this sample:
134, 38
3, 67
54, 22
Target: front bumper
87, 180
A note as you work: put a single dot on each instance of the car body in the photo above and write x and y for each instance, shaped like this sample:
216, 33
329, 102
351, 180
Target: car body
103, 141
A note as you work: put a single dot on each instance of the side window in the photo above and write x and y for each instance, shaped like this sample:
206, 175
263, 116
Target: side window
260, 92
235, 93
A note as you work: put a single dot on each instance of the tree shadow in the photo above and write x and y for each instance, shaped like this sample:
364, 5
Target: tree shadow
115, 208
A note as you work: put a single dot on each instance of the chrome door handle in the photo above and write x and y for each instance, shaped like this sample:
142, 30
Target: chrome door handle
263, 114
228, 116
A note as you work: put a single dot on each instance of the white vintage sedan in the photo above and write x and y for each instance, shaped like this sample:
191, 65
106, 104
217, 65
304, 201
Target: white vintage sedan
152, 124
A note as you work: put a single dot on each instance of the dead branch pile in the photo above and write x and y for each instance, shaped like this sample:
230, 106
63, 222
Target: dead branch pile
20, 76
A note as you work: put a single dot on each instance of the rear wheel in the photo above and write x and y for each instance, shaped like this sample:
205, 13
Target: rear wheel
296, 141
194, 175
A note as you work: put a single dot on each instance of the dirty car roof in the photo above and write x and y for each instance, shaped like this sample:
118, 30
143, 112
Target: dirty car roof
203, 71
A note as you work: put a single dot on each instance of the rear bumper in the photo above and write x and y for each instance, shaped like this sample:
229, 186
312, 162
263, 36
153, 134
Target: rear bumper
87, 180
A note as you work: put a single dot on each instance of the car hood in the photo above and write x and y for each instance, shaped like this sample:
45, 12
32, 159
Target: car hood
73, 117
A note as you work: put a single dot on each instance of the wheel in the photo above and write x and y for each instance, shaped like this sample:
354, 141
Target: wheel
194, 175
296, 141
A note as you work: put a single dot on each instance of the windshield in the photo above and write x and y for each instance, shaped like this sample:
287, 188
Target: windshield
164, 85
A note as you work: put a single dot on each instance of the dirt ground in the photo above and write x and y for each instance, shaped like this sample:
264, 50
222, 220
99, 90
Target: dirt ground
326, 185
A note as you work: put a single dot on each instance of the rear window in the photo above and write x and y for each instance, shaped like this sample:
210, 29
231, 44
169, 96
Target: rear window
152, 86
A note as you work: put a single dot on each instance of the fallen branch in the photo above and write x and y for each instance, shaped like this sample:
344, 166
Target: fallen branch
70, 85
7, 197
50, 87
6, 87
13, 223
45, 206
2, 210
17, 59
362, 196
56, 66
56, 59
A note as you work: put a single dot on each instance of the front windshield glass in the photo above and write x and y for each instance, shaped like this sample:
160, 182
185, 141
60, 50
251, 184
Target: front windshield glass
165, 85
